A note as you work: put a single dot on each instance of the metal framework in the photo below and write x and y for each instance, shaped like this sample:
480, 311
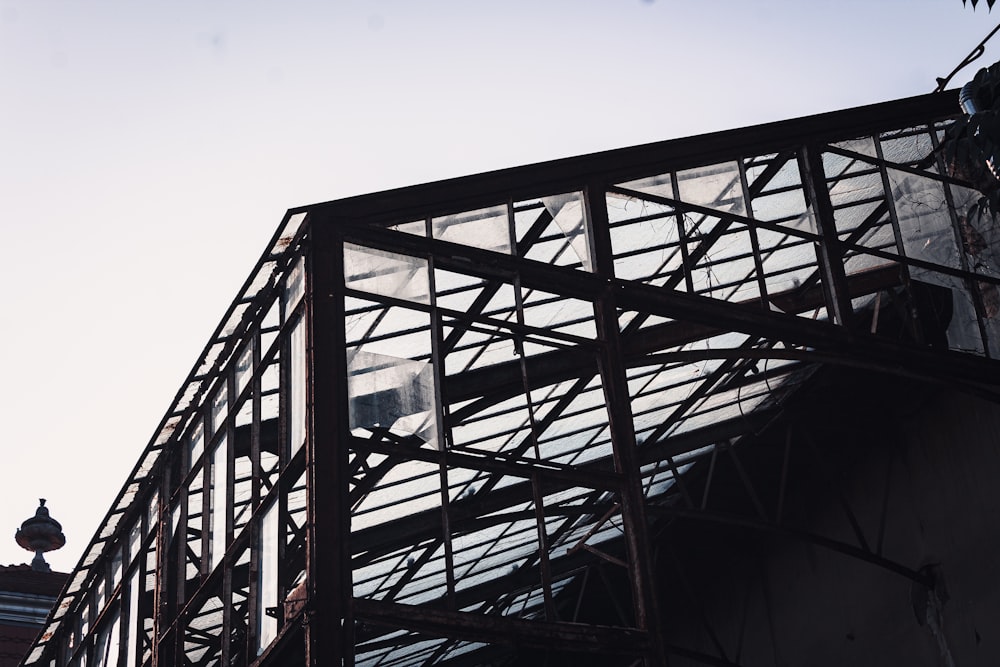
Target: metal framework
436, 420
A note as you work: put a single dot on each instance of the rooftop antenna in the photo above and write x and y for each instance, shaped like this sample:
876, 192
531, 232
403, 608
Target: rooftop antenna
40, 533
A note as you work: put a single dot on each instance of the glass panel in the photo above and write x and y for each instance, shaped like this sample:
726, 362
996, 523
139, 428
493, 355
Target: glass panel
775, 186
645, 237
924, 219
549, 311
244, 368
660, 185
397, 490
99, 598
863, 145
203, 635
554, 230
242, 487
568, 214
194, 534
297, 390
389, 376
134, 628
501, 427
220, 407
288, 233
220, 503
417, 228
134, 540
386, 273
196, 444
146, 603
106, 647
239, 606
267, 580
153, 517
116, 570
906, 146
391, 393
294, 287
485, 228
716, 186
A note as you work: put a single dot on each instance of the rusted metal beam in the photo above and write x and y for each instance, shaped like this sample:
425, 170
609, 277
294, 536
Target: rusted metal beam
329, 623
623, 441
586, 476
570, 637
828, 251
933, 365
419, 527
875, 353
520, 183
503, 380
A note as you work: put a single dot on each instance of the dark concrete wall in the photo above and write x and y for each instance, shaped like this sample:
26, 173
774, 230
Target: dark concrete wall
919, 468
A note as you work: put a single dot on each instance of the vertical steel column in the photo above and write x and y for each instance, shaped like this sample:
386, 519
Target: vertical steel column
758, 260
622, 429
225, 646
227, 563
682, 239
329, 628
437, 365
160, 593
207, 497
904, 268
256, 482
830, 254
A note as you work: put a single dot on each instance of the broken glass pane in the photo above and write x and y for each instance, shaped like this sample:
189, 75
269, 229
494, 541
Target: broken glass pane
288, 233
485, 228
417, 228
717, 186
295, 287
661, 186
568, 214
392, 394
906, 146
386, 273
925, 221
554, 230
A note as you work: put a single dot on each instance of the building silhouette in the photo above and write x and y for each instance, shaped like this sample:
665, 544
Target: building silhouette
26, 598
28, 592
722, 400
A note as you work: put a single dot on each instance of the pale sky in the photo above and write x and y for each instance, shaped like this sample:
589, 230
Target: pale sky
148, 150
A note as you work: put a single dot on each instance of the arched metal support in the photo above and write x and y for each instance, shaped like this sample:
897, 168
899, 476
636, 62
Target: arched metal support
732, 520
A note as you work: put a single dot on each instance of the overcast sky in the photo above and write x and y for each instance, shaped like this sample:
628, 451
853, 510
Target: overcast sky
148, 150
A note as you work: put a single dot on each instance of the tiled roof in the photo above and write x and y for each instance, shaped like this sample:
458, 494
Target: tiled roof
22, 579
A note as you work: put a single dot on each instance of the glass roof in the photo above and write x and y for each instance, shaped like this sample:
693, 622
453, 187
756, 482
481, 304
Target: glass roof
531, 360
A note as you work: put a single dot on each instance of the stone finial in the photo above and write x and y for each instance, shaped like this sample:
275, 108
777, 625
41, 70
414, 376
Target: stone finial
40, 533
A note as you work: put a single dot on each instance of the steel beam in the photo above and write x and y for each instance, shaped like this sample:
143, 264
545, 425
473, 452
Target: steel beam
618, 166
329, 623
569, 637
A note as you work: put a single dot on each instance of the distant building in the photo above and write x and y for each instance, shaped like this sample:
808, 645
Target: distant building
28, 592
26, 597
726, 400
